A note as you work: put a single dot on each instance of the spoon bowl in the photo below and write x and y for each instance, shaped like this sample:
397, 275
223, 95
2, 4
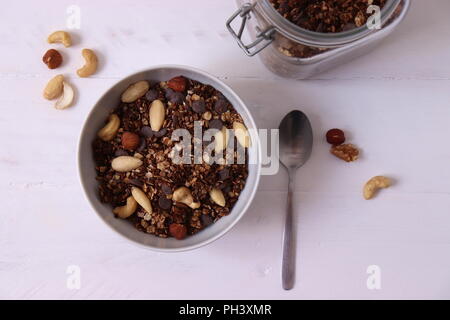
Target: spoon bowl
296, 142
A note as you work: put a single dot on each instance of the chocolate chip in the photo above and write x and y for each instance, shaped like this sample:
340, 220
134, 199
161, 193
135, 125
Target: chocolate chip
160, 133
169, 92
215, 124
221, 106
224, 174
164, 203
135, 182
180, 209
226, 188
199, 106
142, 145
177, 98
174, 97
166, 189
206, 220
120, 152
146, 131
151, 95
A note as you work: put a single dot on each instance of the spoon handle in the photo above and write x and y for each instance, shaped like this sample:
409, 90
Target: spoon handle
288, 266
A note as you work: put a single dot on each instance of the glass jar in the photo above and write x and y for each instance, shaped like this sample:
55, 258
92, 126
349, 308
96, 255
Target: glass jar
293, 52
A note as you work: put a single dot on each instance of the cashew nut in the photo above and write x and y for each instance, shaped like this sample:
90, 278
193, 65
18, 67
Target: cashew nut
67, 97
54, 87
135, 91
217, 196
372, 186
184, 195
90, 66
60, 37
142, 199
126, 210
109, 131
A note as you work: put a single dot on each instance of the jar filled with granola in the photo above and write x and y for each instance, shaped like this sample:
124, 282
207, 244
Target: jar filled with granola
301, 38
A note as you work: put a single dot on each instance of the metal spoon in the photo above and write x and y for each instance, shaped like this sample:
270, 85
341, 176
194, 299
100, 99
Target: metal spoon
296, 141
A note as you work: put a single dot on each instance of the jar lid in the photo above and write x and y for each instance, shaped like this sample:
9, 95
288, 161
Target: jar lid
320, 39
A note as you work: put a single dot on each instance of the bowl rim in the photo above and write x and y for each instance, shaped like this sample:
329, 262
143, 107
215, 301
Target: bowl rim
249, 199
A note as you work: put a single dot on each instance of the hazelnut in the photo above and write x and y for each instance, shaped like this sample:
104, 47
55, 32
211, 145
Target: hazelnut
335, 137
52, 58
178, 231
177, 84
130, 141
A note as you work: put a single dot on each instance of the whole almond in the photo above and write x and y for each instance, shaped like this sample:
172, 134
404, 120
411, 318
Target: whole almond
125, 163
54, 87
135, 91
241, 133
217, 196
221, 140
142, 199
157, 115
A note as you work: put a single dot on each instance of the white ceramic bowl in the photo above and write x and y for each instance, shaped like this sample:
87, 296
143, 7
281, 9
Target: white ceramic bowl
86, 165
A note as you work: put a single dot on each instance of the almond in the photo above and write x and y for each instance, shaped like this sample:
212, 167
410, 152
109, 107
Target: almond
130, 141
125, 163
135, 91
217, 197
157, 115
177, 84
221, 140
241, 133
142, 199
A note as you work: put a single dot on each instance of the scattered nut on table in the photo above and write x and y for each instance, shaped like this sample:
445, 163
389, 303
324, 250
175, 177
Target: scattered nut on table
60, 37
109, 131
54, 87
157, 115
217, 196
67, 97
91, 63
335, 137
127, 210
52, 58
346, 152
373, 185
135, 91
126, 163
183, 195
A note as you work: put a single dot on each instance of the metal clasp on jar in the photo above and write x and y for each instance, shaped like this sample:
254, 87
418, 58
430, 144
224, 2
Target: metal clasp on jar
263, 37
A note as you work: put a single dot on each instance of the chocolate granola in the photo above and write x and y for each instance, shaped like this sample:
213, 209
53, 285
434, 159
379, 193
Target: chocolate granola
326, 16
184, 198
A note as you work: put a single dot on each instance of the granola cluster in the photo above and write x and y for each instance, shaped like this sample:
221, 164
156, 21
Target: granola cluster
134, 153
326, 15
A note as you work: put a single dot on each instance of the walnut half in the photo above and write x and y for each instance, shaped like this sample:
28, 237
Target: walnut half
347, 152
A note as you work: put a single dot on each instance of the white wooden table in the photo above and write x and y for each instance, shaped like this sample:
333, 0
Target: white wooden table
394, 103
